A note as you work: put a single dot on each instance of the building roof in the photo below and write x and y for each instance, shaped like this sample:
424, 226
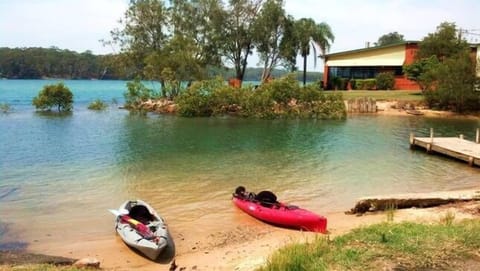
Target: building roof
388, 55
371, 48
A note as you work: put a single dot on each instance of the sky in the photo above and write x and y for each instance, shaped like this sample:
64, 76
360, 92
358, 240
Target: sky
79, 25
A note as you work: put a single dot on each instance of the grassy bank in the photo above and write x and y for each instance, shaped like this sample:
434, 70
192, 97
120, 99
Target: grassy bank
388, 246
382, 95
40, 267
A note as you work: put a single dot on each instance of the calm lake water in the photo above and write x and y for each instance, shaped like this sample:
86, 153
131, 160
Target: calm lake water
62, 171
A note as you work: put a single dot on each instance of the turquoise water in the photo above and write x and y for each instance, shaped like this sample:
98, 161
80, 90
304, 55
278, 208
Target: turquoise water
55, 171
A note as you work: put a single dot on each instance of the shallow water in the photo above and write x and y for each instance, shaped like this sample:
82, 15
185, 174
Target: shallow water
61, 171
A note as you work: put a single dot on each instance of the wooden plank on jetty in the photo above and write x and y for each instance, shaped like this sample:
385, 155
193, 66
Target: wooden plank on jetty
455, 147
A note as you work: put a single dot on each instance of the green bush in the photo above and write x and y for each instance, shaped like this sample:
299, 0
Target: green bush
366, 84
5, 108
54, 95
97, 105
136, 94
385, 80
198, 99
309, 94
282, 90
455, 87
280, 98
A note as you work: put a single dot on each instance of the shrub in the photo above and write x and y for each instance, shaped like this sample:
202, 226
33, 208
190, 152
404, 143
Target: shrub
385, 80
309, 94
5, 108
136, 94
282, 90
456, 84
97, 105
54, 95
197, 100
366, 84
280, 98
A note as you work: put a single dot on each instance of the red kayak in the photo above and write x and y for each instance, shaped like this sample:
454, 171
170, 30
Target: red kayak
280, 214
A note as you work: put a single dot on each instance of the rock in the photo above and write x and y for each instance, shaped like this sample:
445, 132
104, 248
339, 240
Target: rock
87, 262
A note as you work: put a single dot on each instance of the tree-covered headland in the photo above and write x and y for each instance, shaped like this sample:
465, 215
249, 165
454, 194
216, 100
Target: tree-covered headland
43, 63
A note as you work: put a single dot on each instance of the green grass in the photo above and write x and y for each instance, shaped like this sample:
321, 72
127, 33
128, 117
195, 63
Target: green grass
383, 95
41, 267
406, 246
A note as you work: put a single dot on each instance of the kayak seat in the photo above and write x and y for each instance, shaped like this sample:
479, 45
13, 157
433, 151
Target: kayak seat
266, 199
141, 213
241, 193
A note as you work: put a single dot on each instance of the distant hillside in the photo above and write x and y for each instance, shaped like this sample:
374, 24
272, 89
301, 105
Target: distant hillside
38, 63
255, 74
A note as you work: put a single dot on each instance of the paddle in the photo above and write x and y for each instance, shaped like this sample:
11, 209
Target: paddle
141, 228
119, 212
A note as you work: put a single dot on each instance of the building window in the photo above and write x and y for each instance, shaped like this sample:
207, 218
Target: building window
363, 72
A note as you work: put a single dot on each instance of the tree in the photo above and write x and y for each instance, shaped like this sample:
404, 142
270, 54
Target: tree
312, 35
445, 70
191, 48
289, 46
423, 71
269, 31
455, 84
237, 34
390, 38
54, 95
444, 43
144, 33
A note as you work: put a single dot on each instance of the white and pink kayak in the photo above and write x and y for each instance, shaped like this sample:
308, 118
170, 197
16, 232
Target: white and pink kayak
282, 215
140, 227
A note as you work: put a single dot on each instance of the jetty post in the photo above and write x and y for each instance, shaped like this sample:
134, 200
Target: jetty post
429, 145
477, 138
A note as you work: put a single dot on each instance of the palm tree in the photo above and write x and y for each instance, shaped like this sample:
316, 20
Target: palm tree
313, 35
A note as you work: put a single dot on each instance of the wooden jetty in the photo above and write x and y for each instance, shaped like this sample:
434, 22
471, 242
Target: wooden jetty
455, 147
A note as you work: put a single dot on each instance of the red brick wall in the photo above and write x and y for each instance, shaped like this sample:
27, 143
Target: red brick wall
410, 51
325, 76
402, 83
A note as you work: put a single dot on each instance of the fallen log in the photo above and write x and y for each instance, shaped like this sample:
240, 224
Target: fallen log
373, 205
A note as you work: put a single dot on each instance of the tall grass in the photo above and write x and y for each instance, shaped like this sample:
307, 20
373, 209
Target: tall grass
409, 246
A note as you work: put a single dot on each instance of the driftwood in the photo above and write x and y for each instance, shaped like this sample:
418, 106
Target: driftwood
372, 205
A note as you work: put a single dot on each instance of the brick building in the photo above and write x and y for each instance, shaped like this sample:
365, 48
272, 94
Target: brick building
368, 62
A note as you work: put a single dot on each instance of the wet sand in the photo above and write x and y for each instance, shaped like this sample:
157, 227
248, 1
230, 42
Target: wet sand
245, 247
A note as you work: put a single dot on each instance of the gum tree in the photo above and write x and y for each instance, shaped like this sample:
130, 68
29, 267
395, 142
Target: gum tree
237, 34
269, 31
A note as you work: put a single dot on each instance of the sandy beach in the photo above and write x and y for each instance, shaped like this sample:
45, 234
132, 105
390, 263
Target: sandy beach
248, 246
389, 108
